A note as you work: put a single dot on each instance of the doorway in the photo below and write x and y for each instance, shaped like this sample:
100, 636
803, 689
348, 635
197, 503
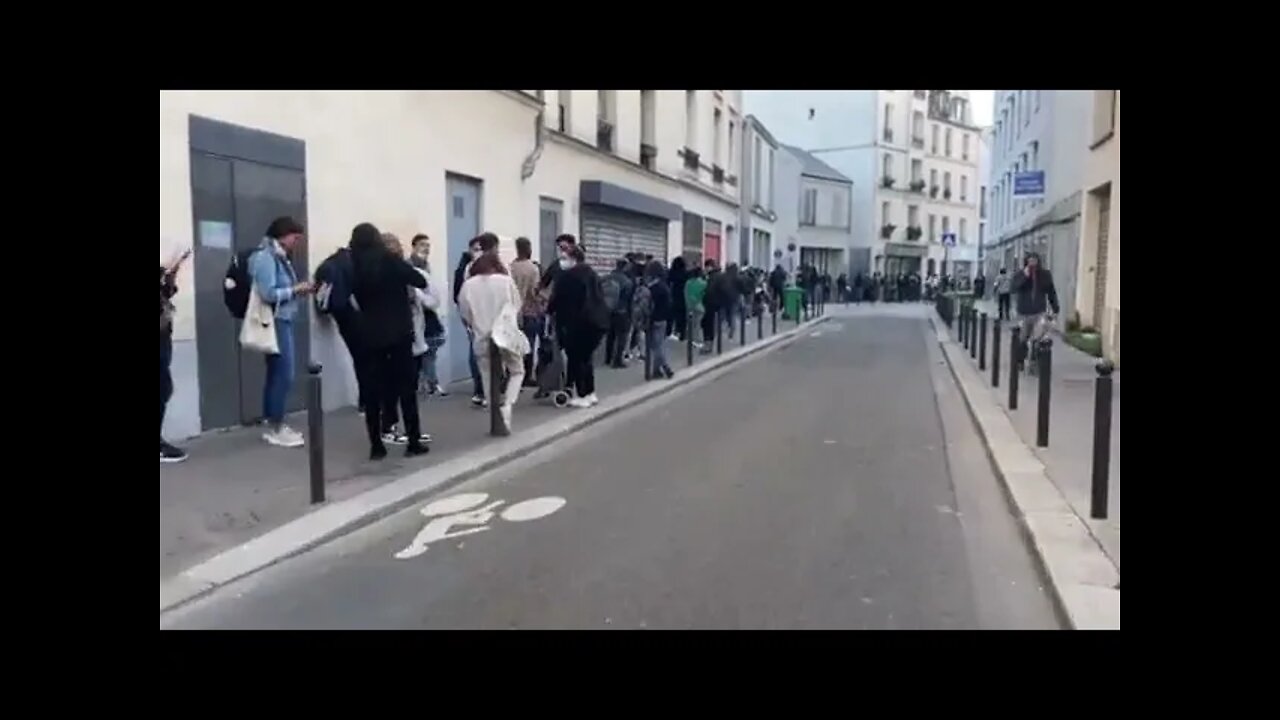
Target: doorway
241, 180
462, 201
550, 222
1103, 202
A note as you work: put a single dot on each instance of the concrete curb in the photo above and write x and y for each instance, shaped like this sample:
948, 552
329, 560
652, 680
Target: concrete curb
1082, 577
341, 518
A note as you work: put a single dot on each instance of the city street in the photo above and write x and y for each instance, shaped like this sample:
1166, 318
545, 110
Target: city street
834, 482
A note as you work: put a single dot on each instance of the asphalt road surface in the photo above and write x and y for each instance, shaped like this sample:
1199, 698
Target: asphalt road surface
835, 483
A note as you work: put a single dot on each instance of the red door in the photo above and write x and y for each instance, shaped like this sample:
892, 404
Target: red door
711, 247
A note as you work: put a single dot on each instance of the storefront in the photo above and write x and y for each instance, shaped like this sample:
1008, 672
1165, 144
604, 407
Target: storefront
903, 259
616, 221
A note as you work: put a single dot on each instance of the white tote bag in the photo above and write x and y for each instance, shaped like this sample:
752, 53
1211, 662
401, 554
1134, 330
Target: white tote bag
258, 332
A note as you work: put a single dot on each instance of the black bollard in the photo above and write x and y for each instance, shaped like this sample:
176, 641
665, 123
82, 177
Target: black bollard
982, 342
1015, 343
315, 432
648, 355
760, 324
773, 311
1101, 441
742, 328
688, 339
995, 354
973, 333
719, 333
960, 316
1044, 358
497, 428
964, 327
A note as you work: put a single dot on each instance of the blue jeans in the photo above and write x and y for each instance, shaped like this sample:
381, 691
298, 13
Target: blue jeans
477, 385
429, 361
279, 374
658, 348
532, 327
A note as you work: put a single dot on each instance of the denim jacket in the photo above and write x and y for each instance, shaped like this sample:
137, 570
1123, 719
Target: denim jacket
273, 274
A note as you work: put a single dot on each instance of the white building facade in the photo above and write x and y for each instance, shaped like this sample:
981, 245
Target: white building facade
824, 215
1097, 299
984, 204
912, 156
1038, 130
625, 170
757, 217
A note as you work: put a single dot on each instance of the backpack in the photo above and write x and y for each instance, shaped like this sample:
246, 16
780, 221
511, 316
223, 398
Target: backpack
333, 293
237, 284
611, 289
642, 306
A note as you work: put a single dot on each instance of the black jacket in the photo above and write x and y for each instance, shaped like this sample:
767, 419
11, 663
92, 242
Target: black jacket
381, 284
576, 303
1033, 292
661, 302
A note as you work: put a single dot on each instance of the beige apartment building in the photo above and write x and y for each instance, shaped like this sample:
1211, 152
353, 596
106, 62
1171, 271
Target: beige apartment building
1098, 292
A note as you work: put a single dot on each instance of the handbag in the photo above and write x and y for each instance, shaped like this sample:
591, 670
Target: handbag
258, 331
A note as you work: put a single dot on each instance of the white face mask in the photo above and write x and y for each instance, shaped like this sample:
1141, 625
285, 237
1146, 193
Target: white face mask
567, 262
475, 254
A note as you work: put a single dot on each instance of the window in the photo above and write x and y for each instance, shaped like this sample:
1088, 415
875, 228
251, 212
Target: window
946, 184
809, 207
982, 234
917, 129
933, 228
887, 165
964, 146
757, 191
946, 225
606, 105
884, 214
566, 97
1104, 114
888, 122
1037, 99
917, 171
948, 142
648, 117
691, 119
729, 162
964, 238
933, 146
717, 123
838, 205
933, 180
964, 189
1026, 106
913, 216
982, 202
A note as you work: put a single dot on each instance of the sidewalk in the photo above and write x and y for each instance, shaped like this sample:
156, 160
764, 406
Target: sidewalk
1069, 457
235, 487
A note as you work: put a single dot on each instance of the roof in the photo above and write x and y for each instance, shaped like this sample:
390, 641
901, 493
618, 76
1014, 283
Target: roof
764, 132
813, 167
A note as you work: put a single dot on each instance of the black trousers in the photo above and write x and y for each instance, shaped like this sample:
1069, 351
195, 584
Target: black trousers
1002, 301
709, 327
347, 329
166, 379
579, 346
390, 375
616, 342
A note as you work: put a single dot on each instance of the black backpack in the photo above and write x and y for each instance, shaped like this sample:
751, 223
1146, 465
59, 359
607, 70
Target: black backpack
237, 284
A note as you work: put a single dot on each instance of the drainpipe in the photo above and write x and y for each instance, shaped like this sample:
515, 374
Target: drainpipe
539, 135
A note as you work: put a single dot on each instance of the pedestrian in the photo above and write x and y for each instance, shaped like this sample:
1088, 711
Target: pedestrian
490, 304
778, 283
168, 288
660, 305
386, 322
695, 287
278, 286
421, 302
433, 329
979, 286
1003, 287
617, 289
731, 297
676, 279
1037, 297
524, 272
842, 288
479, 245
581, 319
713, 299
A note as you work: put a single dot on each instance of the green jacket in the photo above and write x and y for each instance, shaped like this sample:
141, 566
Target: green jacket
694, 290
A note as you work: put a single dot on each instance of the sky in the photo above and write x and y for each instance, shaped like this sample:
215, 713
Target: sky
982, 101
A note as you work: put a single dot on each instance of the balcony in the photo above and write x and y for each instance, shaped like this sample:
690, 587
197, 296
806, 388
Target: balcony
917, 186
648, 156
914, 232
691, 160
886, 230
917, 143
604, 135
887, 182
717, 174
933, 191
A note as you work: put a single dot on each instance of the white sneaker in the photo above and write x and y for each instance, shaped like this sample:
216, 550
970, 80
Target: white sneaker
592, 400
505, 412
580, 402
284, 437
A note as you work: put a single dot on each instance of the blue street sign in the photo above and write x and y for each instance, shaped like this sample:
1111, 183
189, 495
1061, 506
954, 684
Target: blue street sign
949, 239
1028, 184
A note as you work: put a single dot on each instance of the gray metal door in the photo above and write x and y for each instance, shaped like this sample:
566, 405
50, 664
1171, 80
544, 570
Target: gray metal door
462, 202
610, 233
233, 202
550, 225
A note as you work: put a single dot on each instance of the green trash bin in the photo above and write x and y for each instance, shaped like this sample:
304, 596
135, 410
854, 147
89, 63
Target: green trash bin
791, 301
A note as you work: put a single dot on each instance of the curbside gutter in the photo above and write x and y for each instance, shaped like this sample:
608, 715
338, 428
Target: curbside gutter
337, 519
1084, 580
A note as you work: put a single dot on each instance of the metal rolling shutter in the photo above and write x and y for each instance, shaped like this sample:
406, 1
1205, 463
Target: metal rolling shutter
609, 233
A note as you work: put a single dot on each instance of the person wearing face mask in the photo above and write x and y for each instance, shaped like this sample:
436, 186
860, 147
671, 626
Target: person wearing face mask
433, 331
581, 319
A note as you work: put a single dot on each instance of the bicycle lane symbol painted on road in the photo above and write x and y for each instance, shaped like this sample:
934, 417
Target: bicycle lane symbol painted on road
464, 510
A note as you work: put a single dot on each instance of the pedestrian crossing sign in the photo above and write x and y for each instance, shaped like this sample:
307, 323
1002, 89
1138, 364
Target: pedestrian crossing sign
949, 239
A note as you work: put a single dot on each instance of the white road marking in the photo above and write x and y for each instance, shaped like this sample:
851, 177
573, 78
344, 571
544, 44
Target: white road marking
454, 503
533, 509
828, 442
